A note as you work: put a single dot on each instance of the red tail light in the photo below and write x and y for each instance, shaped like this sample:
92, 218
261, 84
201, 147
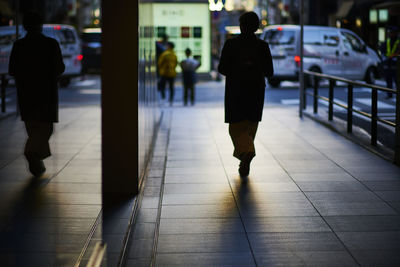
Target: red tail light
297, 59
79, 57
57, 27
279, 28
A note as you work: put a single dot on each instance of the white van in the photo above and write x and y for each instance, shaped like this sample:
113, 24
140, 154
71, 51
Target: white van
65, 35
327, 50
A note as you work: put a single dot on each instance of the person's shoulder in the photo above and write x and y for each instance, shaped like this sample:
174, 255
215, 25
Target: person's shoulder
262, 42
50, 40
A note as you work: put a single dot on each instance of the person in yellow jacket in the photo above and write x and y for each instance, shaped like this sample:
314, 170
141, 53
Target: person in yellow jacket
166, 67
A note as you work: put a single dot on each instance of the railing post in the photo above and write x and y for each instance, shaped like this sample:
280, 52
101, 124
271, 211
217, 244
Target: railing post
3, 93
397, 129
374, 117
305, 95
330, 112
315, 95
349, 108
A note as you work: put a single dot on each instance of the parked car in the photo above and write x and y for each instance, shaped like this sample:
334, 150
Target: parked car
327, 50
65, 35
91, 50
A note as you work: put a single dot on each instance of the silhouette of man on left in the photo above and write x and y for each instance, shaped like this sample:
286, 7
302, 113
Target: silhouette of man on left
36, 62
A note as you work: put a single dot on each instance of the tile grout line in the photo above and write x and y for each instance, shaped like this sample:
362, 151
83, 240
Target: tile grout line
161, 195
233, 195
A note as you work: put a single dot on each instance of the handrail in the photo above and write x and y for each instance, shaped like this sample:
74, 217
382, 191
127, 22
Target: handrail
374, 106
340, 79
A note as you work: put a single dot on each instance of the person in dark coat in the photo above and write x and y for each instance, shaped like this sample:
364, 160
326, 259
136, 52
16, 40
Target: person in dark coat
245, 61
36, 63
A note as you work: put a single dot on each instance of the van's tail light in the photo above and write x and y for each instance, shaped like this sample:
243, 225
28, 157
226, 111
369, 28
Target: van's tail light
297, 59
78, 59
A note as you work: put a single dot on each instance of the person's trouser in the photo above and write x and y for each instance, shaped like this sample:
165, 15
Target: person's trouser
390, 77
188, 89
162, 83
37, 145
242, 135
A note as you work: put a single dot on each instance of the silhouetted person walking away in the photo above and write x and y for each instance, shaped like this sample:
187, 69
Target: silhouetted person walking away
166, 67
189, 67
245, 61
36, 62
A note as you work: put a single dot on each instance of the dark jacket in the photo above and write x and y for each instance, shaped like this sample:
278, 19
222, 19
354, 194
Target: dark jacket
36, 62
245, 61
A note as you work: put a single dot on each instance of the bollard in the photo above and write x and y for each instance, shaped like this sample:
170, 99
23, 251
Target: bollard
397, 129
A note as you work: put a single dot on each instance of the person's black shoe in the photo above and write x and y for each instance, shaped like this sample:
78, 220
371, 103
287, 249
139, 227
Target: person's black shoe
36, 167
244, 166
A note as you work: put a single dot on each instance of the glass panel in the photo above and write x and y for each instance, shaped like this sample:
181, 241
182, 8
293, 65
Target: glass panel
373, 16
283, 37
312, 38
352, 42
383, 15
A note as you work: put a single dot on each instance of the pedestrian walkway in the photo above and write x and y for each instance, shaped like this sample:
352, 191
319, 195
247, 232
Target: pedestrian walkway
313, 198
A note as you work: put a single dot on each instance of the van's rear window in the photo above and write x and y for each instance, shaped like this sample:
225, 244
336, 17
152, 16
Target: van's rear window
280, 37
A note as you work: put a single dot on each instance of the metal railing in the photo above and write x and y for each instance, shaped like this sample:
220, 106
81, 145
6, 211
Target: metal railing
373, 116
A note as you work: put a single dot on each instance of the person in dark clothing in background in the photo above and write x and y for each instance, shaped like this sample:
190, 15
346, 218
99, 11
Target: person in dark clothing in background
189, 67
390, 50
245, 61
36, 62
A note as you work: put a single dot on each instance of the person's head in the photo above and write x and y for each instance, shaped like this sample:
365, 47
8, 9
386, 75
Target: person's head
188, 52
164, 38
32, 22
249, 22
170, 45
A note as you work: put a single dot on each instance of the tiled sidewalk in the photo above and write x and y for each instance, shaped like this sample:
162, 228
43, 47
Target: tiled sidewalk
312, 198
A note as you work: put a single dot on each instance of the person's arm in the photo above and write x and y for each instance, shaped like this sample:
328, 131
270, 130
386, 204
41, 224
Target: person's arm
269, 66
224, 62
59, 63
12, 65
161, 60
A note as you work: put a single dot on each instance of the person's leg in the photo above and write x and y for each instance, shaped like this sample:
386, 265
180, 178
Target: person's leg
192, 94
185, 93
171, 90
389, 77
243, 134
37, 145
161, 86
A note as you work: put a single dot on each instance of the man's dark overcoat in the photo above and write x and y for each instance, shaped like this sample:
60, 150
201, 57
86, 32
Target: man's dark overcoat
36, 62
245, 61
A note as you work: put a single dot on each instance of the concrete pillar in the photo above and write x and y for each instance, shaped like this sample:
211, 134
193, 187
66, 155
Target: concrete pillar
119, 99
397, 133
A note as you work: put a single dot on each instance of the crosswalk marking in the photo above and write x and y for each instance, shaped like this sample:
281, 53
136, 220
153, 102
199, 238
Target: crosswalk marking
90, 91
84, 83
290, 101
